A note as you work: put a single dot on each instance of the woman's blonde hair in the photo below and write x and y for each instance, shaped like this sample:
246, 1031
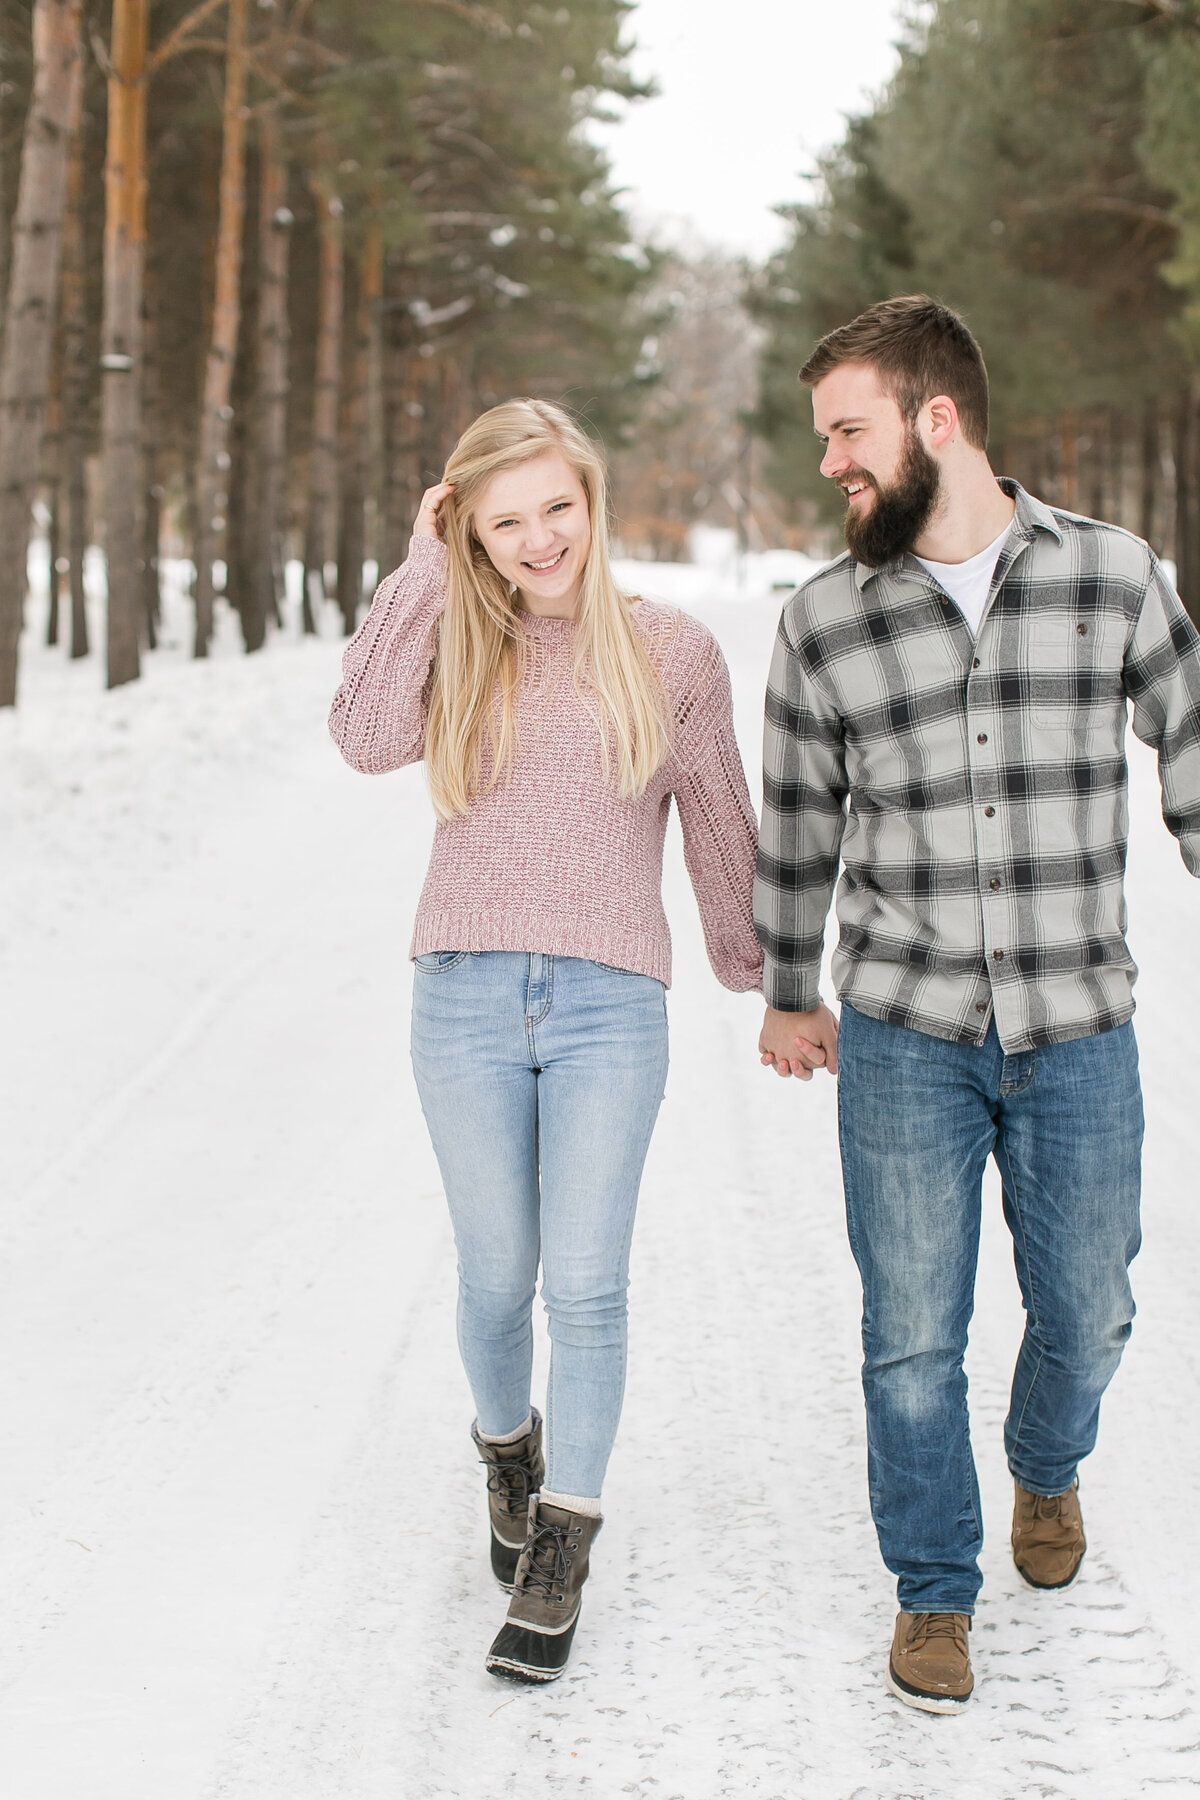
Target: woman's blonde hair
480, 644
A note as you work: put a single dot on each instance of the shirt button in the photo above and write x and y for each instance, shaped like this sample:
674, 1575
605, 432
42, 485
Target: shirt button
998, 955
981, 1006
982, 738
989, 812
1082, 630
993, 883
975, 663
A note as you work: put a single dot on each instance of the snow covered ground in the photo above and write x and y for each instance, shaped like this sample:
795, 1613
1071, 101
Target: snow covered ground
242, 1541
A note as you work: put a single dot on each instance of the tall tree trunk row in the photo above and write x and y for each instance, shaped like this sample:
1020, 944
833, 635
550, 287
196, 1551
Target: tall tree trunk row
320, 545
75, 393
270, 453
32, 307
121, 340
356, 428
212, 475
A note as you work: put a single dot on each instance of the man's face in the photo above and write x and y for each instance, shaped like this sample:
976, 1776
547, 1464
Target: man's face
890, 480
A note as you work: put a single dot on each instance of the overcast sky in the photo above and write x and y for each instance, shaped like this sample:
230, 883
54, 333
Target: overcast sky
750, 91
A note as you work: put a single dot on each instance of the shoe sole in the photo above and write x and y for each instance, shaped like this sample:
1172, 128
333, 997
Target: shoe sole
514, 1671
945, 1704
1049, 1587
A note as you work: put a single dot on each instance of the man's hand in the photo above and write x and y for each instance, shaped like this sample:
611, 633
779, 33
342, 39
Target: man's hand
798, 1043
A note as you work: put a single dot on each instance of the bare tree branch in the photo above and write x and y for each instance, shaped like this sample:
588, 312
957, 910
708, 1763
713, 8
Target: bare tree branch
103, 60
174, 40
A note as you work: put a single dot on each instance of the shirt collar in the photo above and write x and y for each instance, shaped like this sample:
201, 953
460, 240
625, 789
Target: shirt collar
1031, 517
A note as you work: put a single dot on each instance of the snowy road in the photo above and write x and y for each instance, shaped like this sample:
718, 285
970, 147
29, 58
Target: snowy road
242, 1542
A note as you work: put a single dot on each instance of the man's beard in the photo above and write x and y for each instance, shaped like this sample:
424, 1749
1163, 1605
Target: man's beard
900, 513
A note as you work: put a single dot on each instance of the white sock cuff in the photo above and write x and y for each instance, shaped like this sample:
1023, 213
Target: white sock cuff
575, 1503
510, 1437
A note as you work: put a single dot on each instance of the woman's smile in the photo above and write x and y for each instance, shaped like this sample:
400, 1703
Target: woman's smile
551, 563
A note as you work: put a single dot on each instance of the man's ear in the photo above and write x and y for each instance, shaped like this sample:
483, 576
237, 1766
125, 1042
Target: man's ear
942, 416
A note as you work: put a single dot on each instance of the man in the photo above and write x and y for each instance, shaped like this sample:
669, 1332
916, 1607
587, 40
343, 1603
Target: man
946, 710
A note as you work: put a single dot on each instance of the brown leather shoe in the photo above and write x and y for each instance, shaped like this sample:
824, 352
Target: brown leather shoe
930, 1664
1047, 1537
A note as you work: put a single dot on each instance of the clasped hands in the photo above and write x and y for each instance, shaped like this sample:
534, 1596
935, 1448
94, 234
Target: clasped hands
797, 1043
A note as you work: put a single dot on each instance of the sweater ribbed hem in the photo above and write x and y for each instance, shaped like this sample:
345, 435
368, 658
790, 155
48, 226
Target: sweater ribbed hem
455, 928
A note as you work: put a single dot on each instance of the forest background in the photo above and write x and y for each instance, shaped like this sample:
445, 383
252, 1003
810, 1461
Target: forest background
263, 259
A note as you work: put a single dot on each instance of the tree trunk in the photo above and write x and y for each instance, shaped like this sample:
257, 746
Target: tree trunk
1151, 471
356, 432
151, 602
401, 407
32, 299
5, 88
242, 520
212, 474
320, 546
52, 457
376, 458
1187, 498
121, 338
75, 392
270, 453
1118, 486
53, 545
1097, 467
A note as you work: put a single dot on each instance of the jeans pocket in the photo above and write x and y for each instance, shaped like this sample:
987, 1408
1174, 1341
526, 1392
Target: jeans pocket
437, 962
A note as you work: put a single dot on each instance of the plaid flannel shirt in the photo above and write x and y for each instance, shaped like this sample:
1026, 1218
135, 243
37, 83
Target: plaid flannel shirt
975, 788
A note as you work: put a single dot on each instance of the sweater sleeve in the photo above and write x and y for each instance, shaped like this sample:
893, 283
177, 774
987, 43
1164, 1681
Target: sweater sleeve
379, 712
720, 835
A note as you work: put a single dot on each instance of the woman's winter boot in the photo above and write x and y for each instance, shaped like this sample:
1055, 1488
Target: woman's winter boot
515, 1472
535, 1640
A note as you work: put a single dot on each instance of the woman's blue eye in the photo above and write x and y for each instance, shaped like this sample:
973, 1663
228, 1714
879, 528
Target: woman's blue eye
559, 504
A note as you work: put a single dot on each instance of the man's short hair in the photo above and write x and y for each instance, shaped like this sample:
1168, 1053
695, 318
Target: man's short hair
918, 349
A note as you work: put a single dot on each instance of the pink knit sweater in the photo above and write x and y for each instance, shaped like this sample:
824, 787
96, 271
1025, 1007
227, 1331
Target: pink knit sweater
553, 859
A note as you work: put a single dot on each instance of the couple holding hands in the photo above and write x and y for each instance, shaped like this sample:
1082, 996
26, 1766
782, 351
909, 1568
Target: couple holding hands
945, 719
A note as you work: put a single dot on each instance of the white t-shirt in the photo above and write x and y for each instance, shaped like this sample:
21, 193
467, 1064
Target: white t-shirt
969, 583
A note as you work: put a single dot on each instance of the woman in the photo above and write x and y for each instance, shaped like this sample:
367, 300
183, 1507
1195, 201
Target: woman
556, 719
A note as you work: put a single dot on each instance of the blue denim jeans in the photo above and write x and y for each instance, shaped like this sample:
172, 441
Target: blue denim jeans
919, 1118
541, 1078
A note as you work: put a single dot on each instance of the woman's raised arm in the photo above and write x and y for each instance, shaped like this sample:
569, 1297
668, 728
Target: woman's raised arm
378, 716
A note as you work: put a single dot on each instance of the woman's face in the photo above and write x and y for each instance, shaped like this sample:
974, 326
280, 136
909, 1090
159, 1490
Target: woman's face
533, 522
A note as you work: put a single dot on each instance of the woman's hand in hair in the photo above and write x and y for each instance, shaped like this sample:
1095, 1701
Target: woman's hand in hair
428, 520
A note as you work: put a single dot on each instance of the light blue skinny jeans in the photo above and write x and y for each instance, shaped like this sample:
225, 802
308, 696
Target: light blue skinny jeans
540, 1078
919, 1118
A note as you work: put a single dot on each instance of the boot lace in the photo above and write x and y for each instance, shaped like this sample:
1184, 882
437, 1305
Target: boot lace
511, 1481
549, 1564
